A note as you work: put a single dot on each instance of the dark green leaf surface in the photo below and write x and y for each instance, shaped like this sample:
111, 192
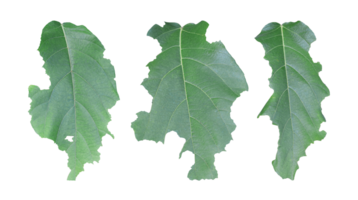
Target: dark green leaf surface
81, 92
295, 105
193, 84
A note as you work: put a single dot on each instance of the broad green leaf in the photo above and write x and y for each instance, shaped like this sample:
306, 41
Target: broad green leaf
295, 105
193, 84
81, 92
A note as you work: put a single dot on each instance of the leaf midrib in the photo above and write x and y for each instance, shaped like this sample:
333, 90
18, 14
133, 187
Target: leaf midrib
186, 96
73, 91
288, 91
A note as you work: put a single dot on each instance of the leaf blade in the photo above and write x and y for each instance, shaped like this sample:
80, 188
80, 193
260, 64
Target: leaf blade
298, 92
193, 84
81, 92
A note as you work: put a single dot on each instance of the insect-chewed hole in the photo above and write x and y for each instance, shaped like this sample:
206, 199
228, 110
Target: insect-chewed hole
69, 138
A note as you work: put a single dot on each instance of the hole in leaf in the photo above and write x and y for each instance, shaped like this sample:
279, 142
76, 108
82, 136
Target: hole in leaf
69, 138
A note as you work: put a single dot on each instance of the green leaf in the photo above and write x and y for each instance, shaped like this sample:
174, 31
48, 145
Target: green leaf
193, 84
295, 105
81, 92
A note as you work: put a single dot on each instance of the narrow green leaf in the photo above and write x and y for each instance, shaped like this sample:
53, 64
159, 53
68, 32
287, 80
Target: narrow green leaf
81, 92
295, 105
193, 84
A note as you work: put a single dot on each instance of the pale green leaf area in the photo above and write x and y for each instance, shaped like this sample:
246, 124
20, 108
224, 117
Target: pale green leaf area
193, 84
295, 105
81, 92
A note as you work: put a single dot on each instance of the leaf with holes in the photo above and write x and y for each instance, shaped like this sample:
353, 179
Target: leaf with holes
81, 92
295, 105
193, 84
